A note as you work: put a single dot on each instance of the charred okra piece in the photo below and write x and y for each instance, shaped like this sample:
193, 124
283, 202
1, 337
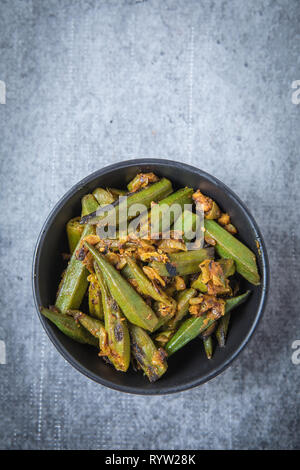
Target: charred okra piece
230, 247
95, 302
183, 263
116, 327
145, 196
223, 324
131, 303
69, 327
149, 358
74, 283
144, 284
74, 232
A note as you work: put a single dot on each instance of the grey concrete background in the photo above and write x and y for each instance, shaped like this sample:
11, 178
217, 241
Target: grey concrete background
95, 82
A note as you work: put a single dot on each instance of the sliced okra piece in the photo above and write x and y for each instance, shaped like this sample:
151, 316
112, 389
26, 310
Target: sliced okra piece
103, 196
74, 231
115, 325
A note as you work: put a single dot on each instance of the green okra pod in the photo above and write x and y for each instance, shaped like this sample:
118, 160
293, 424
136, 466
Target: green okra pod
145, 285
193, 326
115, 325
131, 303
230, 247
88, 204
145, 196
183, 263
223, 324
149, 358
234, 302
69, 327
190, 329
74, 231
74, 283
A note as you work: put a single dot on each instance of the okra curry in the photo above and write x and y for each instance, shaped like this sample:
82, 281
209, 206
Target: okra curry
138, 295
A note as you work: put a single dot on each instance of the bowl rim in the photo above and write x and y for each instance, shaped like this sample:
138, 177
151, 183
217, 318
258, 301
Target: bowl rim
133, 389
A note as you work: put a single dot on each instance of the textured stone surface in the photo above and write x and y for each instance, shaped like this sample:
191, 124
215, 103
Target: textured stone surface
95, 82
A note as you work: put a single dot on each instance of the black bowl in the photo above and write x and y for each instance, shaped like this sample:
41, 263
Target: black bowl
189, 366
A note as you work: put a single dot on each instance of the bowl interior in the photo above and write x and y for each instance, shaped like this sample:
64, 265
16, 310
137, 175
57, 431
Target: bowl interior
189, 366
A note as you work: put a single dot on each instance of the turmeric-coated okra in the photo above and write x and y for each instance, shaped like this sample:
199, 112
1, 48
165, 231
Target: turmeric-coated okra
115, 325
135, 309
144, 283
169, 327
154, 291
